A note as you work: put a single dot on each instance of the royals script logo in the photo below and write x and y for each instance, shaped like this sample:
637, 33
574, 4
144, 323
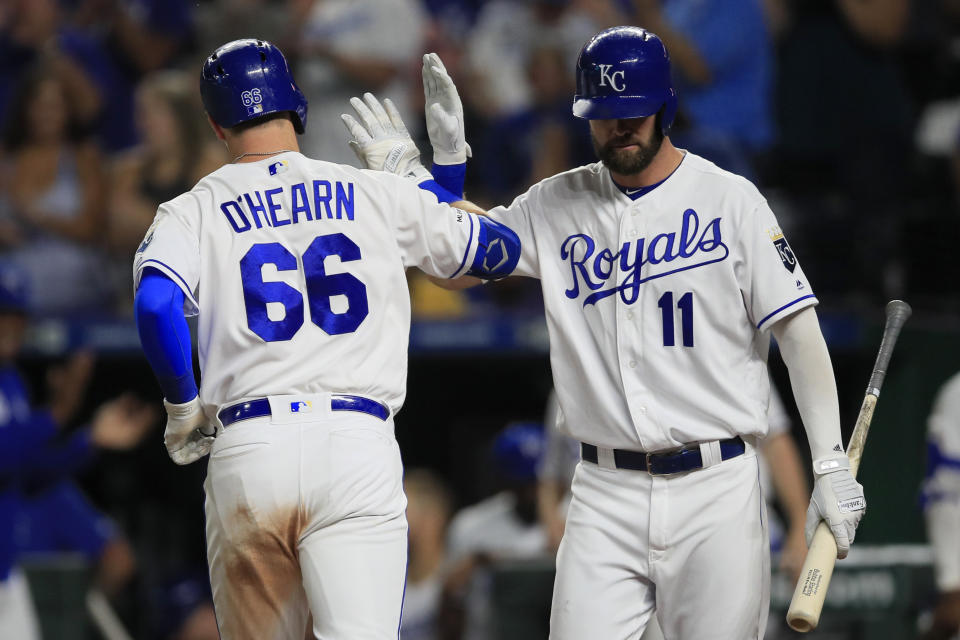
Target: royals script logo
688, 248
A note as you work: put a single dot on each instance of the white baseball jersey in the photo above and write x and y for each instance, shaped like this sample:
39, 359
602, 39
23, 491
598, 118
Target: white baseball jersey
657, 307
298, 266
942, 487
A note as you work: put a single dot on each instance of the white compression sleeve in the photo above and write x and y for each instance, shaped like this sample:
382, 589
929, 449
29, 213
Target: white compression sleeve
811, 376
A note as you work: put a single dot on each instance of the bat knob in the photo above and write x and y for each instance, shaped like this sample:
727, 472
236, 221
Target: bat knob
801, 623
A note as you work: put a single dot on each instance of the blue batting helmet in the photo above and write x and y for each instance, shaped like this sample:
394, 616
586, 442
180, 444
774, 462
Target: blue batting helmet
248, 79
624, 72
517, 451
13, 289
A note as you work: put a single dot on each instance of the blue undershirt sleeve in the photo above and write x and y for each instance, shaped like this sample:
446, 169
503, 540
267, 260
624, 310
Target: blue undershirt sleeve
165, 336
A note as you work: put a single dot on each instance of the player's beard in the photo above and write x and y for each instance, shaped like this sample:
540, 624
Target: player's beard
621, 161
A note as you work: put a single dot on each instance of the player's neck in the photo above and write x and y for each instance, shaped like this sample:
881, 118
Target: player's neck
259, 142
666, 161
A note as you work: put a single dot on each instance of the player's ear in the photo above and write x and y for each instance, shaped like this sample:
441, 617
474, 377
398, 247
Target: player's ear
217, 129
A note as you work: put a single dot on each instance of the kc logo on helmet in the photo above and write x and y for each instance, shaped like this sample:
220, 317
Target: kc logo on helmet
616, 79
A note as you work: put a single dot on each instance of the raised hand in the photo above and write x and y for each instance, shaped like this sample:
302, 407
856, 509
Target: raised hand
121, 423
381, 140
444, 113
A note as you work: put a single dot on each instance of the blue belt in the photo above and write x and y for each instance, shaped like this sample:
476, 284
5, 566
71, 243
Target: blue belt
338, 402
667, 462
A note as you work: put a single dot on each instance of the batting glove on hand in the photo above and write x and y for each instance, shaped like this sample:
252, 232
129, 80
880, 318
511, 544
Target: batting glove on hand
838, 499
382, 142
444, 113
189, 435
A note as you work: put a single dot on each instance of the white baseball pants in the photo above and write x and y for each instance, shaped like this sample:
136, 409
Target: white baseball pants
306, 516
692, 546
18, 619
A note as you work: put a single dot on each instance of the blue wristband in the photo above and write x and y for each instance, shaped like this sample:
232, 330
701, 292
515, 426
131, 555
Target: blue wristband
450, 177
442, 194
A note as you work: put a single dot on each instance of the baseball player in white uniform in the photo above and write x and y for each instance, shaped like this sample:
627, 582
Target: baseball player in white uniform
941, 497
296, 269
663, 277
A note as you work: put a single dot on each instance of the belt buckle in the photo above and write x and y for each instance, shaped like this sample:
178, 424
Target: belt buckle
659, 454
647, 458
650, 471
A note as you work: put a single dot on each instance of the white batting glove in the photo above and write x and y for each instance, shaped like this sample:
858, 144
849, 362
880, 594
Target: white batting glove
189, 435
444, 113
382, 141
838, 499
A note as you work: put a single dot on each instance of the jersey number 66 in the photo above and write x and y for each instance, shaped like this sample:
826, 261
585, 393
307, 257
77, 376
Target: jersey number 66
321, 286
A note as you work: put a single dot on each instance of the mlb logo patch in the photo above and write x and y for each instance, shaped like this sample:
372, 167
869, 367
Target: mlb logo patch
278, 167
301, 406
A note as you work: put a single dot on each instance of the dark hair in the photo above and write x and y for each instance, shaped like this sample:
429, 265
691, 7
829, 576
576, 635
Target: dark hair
16, 130
250, 124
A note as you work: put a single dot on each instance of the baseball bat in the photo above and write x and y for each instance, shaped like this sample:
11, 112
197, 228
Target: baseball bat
104, 617
807, 602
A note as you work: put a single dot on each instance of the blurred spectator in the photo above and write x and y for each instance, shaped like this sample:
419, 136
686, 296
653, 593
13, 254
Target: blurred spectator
722, 58
510, 96
454, 17
220, 21
559, 141
941, 496
561, 455
428, 512
176, 150
842, 49
845, 148
348, 47
32, 453
501, 528
784, 483
133, 38
60, 519
539, 139
500, 44
184, 610
33, 31
57, 197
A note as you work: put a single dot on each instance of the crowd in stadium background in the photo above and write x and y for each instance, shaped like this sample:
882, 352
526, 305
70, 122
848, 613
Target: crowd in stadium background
846, 113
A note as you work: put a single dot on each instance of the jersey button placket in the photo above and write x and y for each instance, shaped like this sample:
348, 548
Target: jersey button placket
641, 401
624, 317
630, 337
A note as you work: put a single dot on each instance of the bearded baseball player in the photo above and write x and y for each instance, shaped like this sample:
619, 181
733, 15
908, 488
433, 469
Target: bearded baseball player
295, 268
663, 277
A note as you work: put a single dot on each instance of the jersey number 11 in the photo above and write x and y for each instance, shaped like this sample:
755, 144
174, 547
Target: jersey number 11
685, 304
